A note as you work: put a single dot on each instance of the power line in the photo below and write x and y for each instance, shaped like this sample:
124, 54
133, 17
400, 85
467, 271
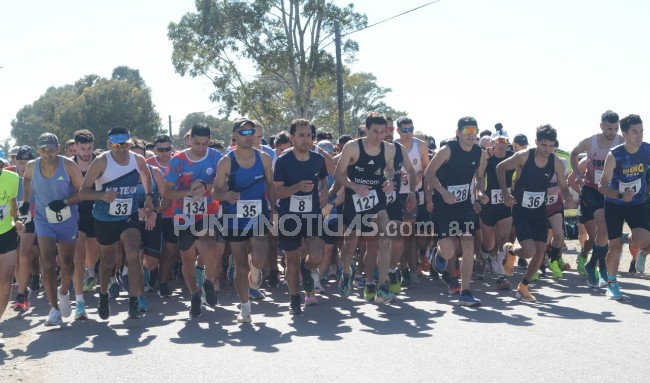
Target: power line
390, 18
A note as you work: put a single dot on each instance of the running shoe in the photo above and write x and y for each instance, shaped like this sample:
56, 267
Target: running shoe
535, 277
80, 311
307, 280
311, 299
359, 282
424, 262
255, 277
274, 278
406, 278
503, 283
345, 284
134, 311
22, 302
510, 259
245, 313
295, 308
315, 276
230, 274
255, 294
602, 277
54, 319
582, 261
440, 263
195, 305
89, 284
143, 306
64, 303
524, 294
555, 269
415, 280
564, 266
640, 261
592, 279
383, 295
113, 289
494, 266
631, 270
369, 292
454, 286
467, 299
163, 290
103, 310
211, 297
393, 283
480, 268
614, 290
522, 263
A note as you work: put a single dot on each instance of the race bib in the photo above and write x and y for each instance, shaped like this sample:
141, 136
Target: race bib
533, 200
551, 199
4, 212
461, 192
59, 216
300, 203
249, 208
27, 218
634, 186
365, 203
192, 207
496, 196
121, 206
421, 197
598, 174
391, 197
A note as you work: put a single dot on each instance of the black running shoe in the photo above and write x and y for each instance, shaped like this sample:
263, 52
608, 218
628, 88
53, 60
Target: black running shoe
134, 310
295, 308
104, 310
35, 283
211, 297
195, 306
522, 263
632, 269
163, 290
307, 280
274, 278
406, 278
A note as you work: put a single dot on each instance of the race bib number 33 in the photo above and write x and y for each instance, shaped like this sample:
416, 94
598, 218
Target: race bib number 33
121, 206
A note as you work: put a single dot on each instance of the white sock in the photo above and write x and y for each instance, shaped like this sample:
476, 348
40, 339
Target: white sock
246, 305
90, 271
79, 298
125, 271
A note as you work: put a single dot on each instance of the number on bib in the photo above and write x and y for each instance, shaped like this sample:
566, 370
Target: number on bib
249, 208
365, 203
4, 212
496, 197
551, 199
121, 206
300, 203
27, 218
634, 186
58, 216
533, 200
598, 174
461, 192
391, 197
191, 206
421, 197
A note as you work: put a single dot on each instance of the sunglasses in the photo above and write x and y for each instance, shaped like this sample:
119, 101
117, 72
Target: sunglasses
168, 149
246, 132
120, 145
500, 140
406, 130
468, 131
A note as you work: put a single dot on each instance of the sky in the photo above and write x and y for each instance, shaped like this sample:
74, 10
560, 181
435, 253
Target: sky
521, 63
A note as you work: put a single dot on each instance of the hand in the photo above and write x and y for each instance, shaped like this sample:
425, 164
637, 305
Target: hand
411, 201
579, 180
449, 198
232, 197
109, 196
509, 200
477, 206
150, 222
482, 198
388, 186
323, 197
57, 205
429, 205
198, 190
24, 208
362, 190
628, 195
20, 227
306, 186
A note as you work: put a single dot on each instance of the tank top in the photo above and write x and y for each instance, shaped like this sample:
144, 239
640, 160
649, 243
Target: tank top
554, 199
530, 188
46, 190
596, 161
124, 180
493, 190
251, 186
368, 170
630, 173
169, 212
416, 160
457, 174
397, 164
85, 207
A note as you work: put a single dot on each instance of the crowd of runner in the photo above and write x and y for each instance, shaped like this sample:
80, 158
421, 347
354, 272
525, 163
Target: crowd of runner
375, 211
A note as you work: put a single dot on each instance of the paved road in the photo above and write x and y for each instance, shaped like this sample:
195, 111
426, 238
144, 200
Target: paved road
572, 333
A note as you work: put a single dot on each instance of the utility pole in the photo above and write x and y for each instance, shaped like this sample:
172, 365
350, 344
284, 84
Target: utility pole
171, 135
339, 74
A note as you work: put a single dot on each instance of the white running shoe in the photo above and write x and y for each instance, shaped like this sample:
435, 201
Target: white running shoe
64, 303
244, 314
255, 277
54, 319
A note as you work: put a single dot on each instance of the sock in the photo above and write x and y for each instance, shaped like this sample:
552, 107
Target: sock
555, 253
125, 271
611, 278
525, 282
601, 259
246, 305
91, 272
595, 255
153, 277
79, 298
146, 274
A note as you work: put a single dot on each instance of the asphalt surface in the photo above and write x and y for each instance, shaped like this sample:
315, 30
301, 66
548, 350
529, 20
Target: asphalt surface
574, 333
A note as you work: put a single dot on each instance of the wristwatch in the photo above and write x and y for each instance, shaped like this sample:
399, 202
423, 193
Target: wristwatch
620, 195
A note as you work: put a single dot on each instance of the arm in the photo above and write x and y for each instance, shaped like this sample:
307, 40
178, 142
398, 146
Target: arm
27, 186
560, 171
13, 213
430, 175
76, 179
348, 156
95, 170
389, 169
268, 178
514, 162
608, 172
220, 190
583, 146
480, 179
424, 158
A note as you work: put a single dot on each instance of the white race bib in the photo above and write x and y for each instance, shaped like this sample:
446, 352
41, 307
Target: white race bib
365, 203
27, 218
58, 217
300, 203
249, 208
390, 197
121, 207
421, 197
533, 200
551, 199
461, 192
598, 174
4, 212
634, 186
496, 196
192, 207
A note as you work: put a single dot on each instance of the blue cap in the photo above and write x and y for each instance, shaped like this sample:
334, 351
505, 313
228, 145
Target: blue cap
2, 157
119, 138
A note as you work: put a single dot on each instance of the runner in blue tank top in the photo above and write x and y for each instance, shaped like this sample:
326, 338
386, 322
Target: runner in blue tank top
115, 174
244, 182
624, 187
55, 181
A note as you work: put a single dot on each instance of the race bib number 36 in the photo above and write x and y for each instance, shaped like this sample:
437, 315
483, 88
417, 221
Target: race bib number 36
365, 203
121, 206
191, 206
533, 200
300, 204
249, 208
634, 186
59, 216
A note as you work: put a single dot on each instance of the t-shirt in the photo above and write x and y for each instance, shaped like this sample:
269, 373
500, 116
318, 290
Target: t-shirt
291, 171
8, 189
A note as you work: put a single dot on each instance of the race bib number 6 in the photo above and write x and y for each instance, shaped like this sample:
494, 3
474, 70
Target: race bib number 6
191, 206
365, 203
249, 208
59, 216
121, 206
533, 200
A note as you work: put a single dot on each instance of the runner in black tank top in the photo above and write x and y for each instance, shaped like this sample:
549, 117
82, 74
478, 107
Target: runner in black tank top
529, 203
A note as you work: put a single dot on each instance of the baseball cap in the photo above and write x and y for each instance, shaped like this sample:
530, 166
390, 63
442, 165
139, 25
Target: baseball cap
25, 153
431, 142
240, 122
3, 160
500, 134
119, 138
14, 150
467, 121
326, 146
47, 140
520, 140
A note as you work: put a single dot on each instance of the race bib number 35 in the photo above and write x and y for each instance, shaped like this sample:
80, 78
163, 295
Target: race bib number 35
121, 206
249, 208
191, 206
365, 203
533, 200
59, 216
300, 204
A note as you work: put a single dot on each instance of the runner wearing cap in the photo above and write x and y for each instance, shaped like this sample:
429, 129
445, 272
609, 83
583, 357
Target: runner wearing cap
55, 181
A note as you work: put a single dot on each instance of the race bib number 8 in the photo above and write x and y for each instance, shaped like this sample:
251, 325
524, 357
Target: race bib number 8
634, 186
121, 206
461, 192
365, 203
533, 200
59, 216
191, 206
249, 208
300, 204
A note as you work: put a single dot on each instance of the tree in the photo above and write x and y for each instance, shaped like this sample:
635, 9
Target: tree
282, 40
93, 103
220, 129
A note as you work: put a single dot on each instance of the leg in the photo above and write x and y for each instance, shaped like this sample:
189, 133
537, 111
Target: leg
47, 247
7, 262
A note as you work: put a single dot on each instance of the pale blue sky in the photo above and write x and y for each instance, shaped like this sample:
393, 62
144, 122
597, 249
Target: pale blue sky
519, 62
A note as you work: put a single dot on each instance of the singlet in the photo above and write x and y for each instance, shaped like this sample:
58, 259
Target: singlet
250, 183
85, 207
596, 161
530, 188
554, 199
493, 190
122, 179
397, 165
169, 212
8, 189
415, 158
457, 174
140, 194
630, 173
46, 190
368, 170
290, 171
